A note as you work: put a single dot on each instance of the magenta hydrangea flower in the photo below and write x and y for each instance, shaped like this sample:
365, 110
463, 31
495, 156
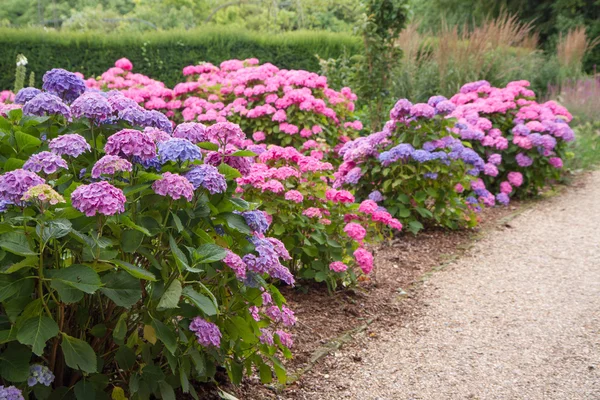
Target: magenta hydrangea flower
364, 258
225, 133
207, 333
91, 105
45, 161
294, 195
355, 231
98, 197
110, 165
174, 186
422, 110
556, 162
129, 143
14, 184
523, 160
157, 135
515, 178
192, 131
236, 263
71, 144
285, 338
208, 177
338, 266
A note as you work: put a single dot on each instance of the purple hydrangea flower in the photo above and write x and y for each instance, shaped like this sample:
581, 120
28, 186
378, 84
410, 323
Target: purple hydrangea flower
71, 144
15, 183
473, 86
353, 176
208, 177
285, 338
46, 104
242, 164
503, 198
110, 165
402, 151
118, 102
422, 110
192, 131
135, 115
521, 130
421, 156
266, 337
207, 333
400, 109
434, 100
376, 196
495, 159
39, 374
256, 220
4, 204
156, 119
430, 175
91, 105
129, 143
153, 163
236, 263
523, 160
157, 135
471, 200
174, 186
26, 94
66, 85
10, 393
445, 107
45, 161
98, 197
178, 150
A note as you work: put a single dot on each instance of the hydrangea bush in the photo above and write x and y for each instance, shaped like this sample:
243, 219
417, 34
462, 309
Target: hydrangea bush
522, 141
128, 267
415, 167
275, 106
325, 231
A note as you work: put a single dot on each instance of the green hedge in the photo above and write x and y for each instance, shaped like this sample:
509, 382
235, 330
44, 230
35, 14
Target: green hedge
162, 55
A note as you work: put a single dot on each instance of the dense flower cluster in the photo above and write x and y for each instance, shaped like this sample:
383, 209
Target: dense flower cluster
70, 144
175, 186
39, 374
43, 193
10, 393
91, 105
14, 184
207, 333
98, 197
178, 150
46, 104
110, 165
208, 177
129, 143
64, 84
45, 161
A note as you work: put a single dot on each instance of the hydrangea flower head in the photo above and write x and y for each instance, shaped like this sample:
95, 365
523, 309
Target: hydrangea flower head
10, 393
64, 84
178, 150
91, 105
110, 165
225, 133
192, 131
43, 193
156, 119
208, 177
294, 195
45, 161
207, 333
26, 94
355, 231
338, 266
39, 374
46, 104
364, 258
236, 263
98, 197
523, 160
128, 143
14, 184
376, 196
256, 220
157, 135
124, 64
70, 144
174, 186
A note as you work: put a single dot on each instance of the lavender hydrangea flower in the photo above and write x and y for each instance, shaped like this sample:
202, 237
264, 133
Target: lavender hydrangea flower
256, 220
431, 175
178, 150
174, 186
353, 176
208, 177
66, 85
128, 143
495, 159
110, 165
523, 160
26, 94
39, 374
192, 131
157, 135
521, 130
503, 198
400, 109
434, 100
153, 163
10, 393
118, 102
4, 205
15, 183
45, 161
46, 104
98, 197
71, 144
135, 115
422, 110
207, 333
421, 156
402, 151
376, 196
91, 105
473, 86
158, 120
445, 107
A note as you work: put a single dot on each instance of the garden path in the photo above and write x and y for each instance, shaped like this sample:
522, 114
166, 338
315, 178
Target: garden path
518, 317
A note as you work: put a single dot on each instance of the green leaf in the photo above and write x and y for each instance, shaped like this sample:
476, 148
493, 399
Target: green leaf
14, 363
11, 285
229, 172
122, 288
27, 262
266, 375
177, 222
210, 253
36, 331
79, 277
279, 371
199, 300
180, 258
165, 335
125, 357
170, 298
235, 372
237, 222
78, 354
208, 146
415, 226
13, 163
130, 224
135, 271
120, 328
166, 391
244, 153
16, 243
54, 229
25, 141
84, 390
8, 335
131, 240
240, 203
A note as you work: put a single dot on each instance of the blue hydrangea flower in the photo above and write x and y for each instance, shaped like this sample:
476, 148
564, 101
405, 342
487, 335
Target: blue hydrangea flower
64, 84
178, 150
353, 176
10, 393
208, 177
434, 100
26, 94
376, 196
153, 163
39, 374
421, 156
431, 175
158, 120
471, 200
256, 220
133, 115
503, 198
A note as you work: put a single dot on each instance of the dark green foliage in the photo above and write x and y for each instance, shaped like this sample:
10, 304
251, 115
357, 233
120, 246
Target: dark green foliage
162, 55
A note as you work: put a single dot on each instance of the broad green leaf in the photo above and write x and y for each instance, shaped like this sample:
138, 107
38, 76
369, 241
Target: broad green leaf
27, 262
235, 372
210, 253
84, 390
229, 172
25, 141
125, 357
135, 271
8, 335
166, 391
177, 222
36, 331
170, 298
54, 229
201, 301
13, 163
16, 243
149, 334
118, 394
244, 153
122, 288
236, 222
208, 146
12, 284
78, 354
166, 335
266, 375
79, 277
130, 224
279, 371
180, 258
241, 203
120, 328
14, 363
131, 240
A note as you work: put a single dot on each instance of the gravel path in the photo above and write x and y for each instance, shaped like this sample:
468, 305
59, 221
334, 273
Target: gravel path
516, 318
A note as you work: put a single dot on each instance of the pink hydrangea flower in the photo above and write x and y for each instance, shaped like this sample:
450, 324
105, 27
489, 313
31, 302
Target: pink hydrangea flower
236, 263
338, 266
312, 212
294, 195
368, 207
325, 221
505, 187
129, 143
515, 178
174, 186
556, 162
355, 231
364, 258
259, 136
124, 64
98, 197
110, 165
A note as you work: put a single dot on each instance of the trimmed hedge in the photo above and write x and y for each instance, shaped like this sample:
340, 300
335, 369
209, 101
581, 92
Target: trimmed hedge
162, 55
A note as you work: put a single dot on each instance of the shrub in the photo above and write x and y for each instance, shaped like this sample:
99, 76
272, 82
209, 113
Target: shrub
128, 266
415, 167
522, 141
324, 229
283, 107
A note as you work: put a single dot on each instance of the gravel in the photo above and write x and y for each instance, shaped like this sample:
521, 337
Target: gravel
517, 317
